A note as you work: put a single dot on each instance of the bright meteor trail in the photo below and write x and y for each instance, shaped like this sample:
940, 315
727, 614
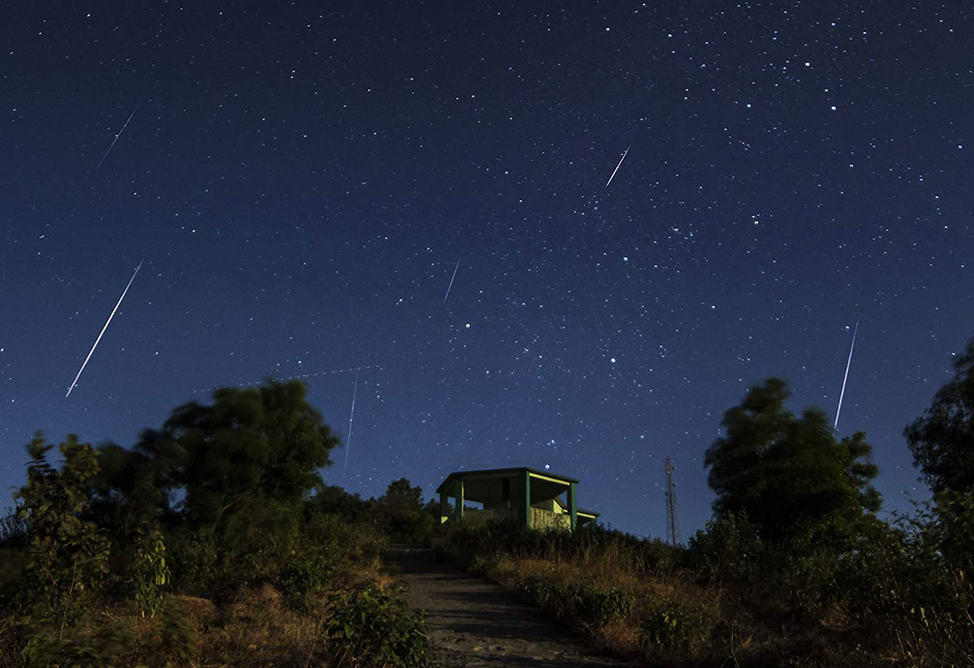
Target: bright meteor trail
107, 322
120, 132
450, 286
351, 416
846, 377
618, 166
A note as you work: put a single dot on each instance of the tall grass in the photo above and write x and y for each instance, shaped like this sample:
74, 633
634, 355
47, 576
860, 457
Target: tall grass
892, 598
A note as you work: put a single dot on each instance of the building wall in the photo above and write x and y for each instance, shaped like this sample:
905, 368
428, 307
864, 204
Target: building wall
545, 519
540, 518
488, 514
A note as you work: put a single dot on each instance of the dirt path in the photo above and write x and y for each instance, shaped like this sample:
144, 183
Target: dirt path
476, 623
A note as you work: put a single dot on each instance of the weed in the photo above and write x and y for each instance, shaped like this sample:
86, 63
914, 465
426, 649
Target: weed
150, 572
669, 624
374, 629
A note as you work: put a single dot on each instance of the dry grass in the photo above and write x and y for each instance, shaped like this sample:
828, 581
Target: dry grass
619, 636
724, 626
253, 629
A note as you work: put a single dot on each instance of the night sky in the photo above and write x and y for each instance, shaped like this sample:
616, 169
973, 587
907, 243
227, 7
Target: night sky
302, 180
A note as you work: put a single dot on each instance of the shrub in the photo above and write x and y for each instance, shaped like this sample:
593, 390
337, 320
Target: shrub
339, 543
599, 607
408, 525
577, 601
149, 572
374, 629
177, 635
13, 557
728, 549
67, 556
300, 578
13, 582
904, 586
103, 648
13, 530
954, 529
194, 560
669, 624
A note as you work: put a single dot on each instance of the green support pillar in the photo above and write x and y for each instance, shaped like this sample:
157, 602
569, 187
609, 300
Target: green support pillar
444, 507
573, 505
458, 493
526, 499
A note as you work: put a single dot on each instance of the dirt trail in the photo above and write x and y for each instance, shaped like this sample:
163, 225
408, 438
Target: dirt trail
476, 623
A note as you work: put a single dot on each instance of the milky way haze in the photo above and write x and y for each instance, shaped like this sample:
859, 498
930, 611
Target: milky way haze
302, 180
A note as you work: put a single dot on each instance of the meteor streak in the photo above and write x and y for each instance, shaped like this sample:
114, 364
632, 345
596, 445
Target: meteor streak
351, 416
450, 287
618, 166
120, 132
107, 322
846, 376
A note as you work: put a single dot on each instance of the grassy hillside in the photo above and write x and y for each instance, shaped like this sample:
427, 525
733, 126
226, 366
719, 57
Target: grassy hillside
728, 599
179, 596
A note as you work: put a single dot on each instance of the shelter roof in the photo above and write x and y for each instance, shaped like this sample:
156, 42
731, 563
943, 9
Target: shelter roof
499, 473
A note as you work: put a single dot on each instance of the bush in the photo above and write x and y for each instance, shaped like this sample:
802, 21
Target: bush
728, 549
669, 624
577, 601
300, 578
13, 582
599, 607
104, 648
408, 525
177, 636
340, 543
194, 561
149, 571
374, 629
954, 529
905, 587
13, 530
67, 556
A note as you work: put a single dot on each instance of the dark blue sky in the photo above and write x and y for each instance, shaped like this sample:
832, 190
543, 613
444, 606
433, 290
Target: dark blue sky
302, 180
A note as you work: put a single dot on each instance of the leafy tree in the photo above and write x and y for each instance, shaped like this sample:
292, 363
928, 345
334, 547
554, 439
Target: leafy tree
788, 473
67, 556
252, 449
135, 486
333, 500
402, 511
401, 494
942, 439
432, 508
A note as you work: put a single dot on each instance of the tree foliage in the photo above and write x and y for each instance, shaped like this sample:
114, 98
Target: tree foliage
243, 464
402, 513
788, 473
250, 445
67, 555
333, 500
401, 494
135, 486
942, 439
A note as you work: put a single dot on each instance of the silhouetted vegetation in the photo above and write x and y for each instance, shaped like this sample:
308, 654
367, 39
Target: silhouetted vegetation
210, 541
214, 540
794, 569
942, 439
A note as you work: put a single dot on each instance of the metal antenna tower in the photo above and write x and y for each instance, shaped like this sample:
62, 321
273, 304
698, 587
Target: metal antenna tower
671, 529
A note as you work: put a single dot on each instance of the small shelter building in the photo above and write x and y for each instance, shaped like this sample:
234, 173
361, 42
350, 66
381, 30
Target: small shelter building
536, 499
